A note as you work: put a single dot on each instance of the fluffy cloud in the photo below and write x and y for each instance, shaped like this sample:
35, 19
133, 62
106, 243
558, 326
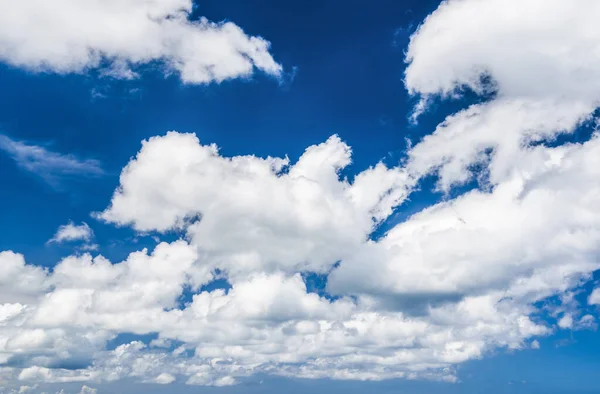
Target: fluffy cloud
18, 282
248, 213
594, 298
499, 239
266, 323
72, 232
72, 36
542, 69
164, 378
529, 49
473, 299
87, 390
451, 283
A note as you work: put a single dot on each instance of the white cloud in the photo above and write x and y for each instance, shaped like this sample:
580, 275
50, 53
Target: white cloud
256, 214
164, 378
18, 282
543, 68
266, 323
566, 322
587, 322
502, 239
72, 232
594, 298
534, 53
117, 35
87, 390
51, 166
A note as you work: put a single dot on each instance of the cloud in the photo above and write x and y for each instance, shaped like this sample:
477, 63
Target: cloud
566, 322
165, 378
71, 232
532, 53
87, 390
254, 213
460, 279
489, 275
594, 298
50, 166
117, 36
542, 70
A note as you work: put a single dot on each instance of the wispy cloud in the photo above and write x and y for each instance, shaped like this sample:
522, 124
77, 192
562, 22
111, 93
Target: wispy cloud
50, 166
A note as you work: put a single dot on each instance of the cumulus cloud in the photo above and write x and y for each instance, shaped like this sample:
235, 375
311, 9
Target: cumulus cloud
453, 282
66, 36
165, 378
51, 166
71, 232
87, 390
541, 68
266, 323
594, 298
251, 213
566, 322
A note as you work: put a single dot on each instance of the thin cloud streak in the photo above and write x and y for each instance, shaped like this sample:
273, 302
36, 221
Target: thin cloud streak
50, 166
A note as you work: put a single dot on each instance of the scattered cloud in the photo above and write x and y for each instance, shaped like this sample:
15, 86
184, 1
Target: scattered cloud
50, 166
452, 283
119, 35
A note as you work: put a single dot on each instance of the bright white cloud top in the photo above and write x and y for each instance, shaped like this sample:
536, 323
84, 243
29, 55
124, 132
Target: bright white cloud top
66, 36
449, 284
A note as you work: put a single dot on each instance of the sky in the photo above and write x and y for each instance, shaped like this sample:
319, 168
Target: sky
302, 196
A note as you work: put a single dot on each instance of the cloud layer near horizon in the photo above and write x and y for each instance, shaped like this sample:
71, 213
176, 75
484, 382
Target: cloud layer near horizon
450, 284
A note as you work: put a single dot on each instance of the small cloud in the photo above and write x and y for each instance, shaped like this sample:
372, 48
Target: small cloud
535, 345
419, 109
287, 78
89, 247
119, 70
566, 322
164, 378
594, 298
97, 94
87, 390
71, 232
50, 166
587, 322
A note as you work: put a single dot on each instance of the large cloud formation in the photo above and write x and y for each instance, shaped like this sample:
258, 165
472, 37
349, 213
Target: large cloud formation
451, 283
117, 35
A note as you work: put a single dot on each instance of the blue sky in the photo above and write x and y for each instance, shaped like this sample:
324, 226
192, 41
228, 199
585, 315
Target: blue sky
467, 261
